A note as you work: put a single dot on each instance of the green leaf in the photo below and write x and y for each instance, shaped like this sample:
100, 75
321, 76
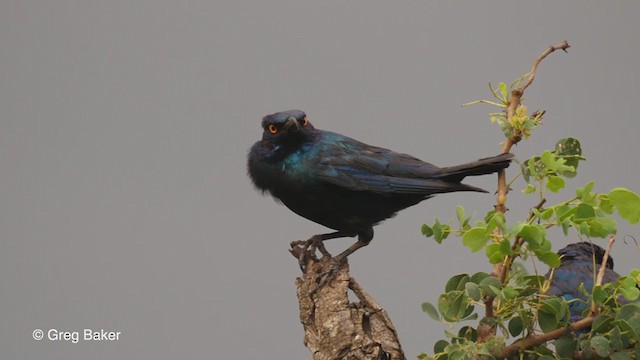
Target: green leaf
529, 189
535, 167
583, 229
470, 315
494, 253
584, 192
440, 346
460, 215
550, 258
603, 227
571, 150
626, 328
456, 282
453, 306
430, 310
568, 146
599, 295
564, 211
547, 322
600, 345
426, 230
630, 294
475, 238
478, 277
502, 88
515, 326
468, 333
628, 319
554, 163
566, 346
616, 341
497, 220
627, 203
505, 247
602, 324
605, 205
440, 231
620, 355
509, 292
546, 214
532, 280
555, 183
566, 224
628, 310
533, 234
584, 212
489, 285
473, 291
555, 307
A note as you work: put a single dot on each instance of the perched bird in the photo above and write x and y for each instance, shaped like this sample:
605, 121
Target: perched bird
577, 267
344, 184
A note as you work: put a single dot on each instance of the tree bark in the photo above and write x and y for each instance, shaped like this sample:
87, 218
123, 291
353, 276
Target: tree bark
336, 328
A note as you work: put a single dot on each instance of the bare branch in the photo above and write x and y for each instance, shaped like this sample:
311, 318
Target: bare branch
603, 268
561, 46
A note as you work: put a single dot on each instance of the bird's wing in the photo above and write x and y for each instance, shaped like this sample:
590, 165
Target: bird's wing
360, 167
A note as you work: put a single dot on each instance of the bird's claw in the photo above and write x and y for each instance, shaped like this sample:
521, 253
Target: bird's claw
308, 248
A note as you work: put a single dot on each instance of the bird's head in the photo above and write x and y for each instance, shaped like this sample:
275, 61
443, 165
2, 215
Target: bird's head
286, 127
584, 251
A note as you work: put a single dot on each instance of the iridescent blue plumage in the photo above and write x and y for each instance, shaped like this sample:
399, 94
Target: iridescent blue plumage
577, 267
344, 184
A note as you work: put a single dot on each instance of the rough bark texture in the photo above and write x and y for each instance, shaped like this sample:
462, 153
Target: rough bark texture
336, 328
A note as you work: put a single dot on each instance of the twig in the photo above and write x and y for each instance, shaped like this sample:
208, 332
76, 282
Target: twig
514, 102
500, 270
534, 340
561, 46
603, 268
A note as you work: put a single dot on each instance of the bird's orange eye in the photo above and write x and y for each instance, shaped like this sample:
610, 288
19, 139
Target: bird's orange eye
273, 129
305, 122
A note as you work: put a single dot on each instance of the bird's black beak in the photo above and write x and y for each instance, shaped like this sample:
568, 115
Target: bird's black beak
291, 125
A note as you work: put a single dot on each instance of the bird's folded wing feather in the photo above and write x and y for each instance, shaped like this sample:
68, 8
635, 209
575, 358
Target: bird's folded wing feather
380, 171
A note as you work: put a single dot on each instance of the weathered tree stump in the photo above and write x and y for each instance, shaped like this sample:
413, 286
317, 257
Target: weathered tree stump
334, 327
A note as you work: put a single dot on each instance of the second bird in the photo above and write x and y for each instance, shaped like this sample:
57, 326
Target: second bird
344, 184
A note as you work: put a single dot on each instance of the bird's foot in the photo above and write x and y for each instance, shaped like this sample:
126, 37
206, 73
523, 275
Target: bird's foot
306, 249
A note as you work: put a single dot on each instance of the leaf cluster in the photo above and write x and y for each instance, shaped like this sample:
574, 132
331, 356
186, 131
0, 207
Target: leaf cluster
520, 309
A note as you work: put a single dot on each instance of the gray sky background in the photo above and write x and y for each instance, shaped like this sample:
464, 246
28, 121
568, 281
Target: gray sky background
124, 128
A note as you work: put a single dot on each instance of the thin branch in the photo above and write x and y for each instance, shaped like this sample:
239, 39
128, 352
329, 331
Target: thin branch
603, 268
534, 340
561, 46
516, 94
500, 270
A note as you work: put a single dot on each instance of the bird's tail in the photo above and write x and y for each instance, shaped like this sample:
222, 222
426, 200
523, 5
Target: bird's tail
484, 166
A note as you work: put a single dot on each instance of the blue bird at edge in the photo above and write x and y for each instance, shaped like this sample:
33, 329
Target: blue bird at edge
344, 184
577, 267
